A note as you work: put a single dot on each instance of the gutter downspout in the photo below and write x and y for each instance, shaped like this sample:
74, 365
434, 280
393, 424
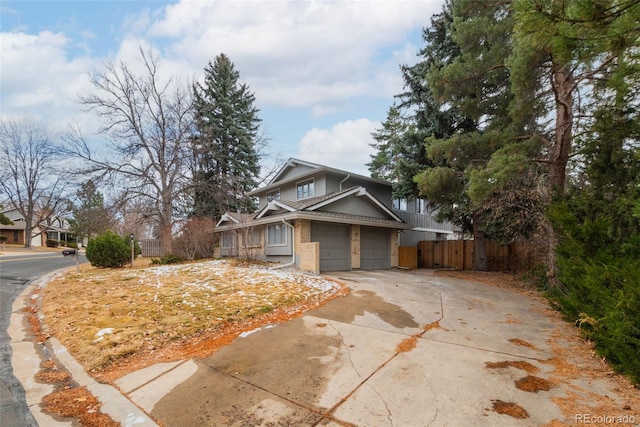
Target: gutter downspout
293, 247
341, 182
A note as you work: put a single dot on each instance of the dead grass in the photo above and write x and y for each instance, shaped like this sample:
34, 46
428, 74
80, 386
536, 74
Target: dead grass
107, 316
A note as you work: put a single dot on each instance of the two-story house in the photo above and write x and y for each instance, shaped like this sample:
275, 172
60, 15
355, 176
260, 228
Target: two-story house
318, 218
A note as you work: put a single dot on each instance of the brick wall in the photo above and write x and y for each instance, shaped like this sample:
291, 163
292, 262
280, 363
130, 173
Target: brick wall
355, 246
394, 248
309, 253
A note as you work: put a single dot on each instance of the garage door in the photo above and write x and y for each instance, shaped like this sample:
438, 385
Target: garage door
335, 246
375, 248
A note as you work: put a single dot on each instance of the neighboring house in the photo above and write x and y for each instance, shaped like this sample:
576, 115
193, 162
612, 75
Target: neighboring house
319, 218
55, 228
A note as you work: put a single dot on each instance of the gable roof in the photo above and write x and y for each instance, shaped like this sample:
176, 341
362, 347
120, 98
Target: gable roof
291, 163
277, 210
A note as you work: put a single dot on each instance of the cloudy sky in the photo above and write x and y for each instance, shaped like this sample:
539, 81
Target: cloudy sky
324, 73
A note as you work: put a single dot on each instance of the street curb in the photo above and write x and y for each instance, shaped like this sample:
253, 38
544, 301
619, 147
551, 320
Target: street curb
114, 404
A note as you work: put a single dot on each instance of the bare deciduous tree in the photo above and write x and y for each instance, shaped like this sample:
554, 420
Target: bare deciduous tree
147, 121
196, 238
27, 173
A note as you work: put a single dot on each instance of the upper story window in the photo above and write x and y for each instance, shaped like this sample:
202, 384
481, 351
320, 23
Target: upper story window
400, 204
421, 206
273, 195
305, 189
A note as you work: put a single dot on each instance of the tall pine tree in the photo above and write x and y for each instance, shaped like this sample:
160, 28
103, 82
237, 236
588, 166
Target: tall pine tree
400, 144
226, 146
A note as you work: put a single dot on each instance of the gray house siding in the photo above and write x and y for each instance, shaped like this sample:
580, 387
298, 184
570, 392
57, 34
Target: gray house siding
289, 190
411, 238
292, 173
425, 226
351, 205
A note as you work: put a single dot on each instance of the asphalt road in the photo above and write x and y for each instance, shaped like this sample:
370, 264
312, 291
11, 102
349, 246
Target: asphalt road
16, 271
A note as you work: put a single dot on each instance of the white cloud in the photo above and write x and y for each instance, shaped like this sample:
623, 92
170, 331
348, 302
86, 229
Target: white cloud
344, 146
316, 54
324, 57
37, 78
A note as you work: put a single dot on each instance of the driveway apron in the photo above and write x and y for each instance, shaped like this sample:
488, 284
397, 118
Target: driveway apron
403, 349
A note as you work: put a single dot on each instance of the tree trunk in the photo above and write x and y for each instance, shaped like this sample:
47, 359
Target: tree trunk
479, 249
165, 226
562, 81
28, 231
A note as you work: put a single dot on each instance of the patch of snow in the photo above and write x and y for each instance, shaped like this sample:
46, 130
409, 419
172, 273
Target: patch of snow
104, 331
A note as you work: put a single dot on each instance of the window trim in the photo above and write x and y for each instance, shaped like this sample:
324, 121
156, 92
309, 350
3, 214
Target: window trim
286, 235
400, 204
306, 183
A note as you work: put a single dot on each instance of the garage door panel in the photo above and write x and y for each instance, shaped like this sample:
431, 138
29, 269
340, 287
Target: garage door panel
335, 245
375, 251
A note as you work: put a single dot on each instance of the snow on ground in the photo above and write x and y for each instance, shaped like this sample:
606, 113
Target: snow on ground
251, 282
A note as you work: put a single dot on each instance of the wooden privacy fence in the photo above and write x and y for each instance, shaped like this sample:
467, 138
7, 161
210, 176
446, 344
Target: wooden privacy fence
458, 254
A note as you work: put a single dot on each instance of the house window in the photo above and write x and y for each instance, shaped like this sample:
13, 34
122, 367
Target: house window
421, 206
16, 237
305, 189
228, 240
400, 204
253, 237
276, 235
273, 195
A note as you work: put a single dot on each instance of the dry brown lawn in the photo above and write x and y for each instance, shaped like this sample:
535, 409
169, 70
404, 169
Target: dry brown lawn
106, 316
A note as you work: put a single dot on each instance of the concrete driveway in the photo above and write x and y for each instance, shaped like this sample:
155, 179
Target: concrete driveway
403, 349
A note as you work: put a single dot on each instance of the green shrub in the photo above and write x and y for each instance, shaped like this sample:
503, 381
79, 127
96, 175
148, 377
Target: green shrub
108, 250
52, 243
168, 259
598, 264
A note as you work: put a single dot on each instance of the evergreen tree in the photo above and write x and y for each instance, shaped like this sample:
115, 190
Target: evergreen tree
227, 142
401, 152
90, 216
599, 225
475, 83
562, 50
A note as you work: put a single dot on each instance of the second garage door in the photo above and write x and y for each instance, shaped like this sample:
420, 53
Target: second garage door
335, 246
375, 248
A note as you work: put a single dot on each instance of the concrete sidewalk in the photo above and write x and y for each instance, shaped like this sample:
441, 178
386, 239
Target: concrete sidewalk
28, 355
403, 349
